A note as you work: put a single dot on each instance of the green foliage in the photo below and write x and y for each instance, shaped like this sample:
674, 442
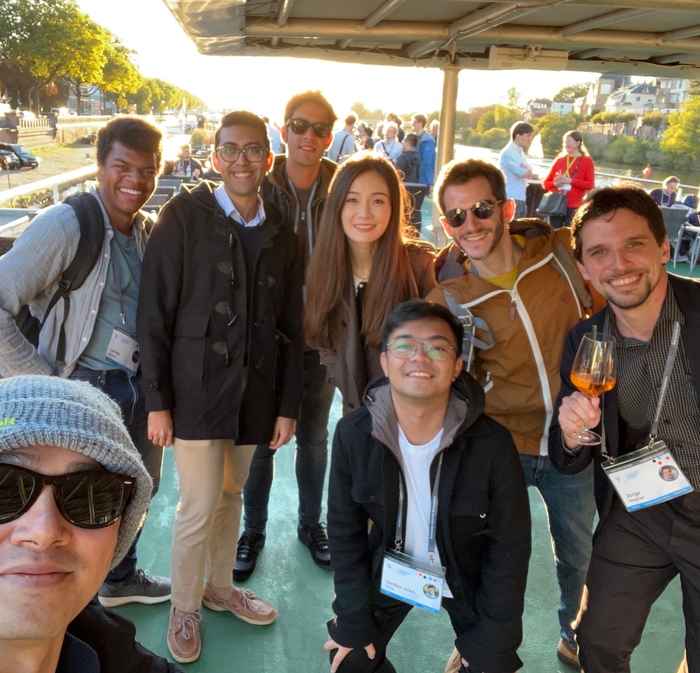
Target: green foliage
612, 117
201, 138
570, 93
553, 127
495, 138
497, 117
513, 97
681, 138
653, 119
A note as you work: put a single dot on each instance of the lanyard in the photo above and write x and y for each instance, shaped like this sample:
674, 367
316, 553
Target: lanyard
116, 274
432, 528
668, 368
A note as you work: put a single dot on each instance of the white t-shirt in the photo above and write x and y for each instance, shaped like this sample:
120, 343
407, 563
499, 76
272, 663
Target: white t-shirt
417, 460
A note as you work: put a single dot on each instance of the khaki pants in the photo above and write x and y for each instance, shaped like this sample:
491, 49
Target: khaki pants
212, 474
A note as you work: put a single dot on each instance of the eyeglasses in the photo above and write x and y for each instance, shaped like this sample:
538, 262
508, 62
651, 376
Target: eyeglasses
90, 499
230, 153
407, 349
301, 126
482, 210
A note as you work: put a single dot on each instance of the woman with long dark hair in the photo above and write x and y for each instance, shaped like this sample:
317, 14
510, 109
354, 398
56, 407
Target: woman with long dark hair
364, 263
572, 172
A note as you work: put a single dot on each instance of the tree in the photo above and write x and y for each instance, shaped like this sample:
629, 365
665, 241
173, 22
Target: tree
513, 97
119, 76
681, 139
498, 117
570, 93
553, 127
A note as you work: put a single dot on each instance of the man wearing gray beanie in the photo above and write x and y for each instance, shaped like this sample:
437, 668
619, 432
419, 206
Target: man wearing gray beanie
73, 493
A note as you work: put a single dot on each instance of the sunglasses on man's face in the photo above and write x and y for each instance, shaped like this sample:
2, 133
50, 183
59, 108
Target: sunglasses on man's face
301, 126
482, 210
90, 499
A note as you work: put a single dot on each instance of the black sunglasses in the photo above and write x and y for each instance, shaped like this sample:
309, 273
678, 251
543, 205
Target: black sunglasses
301, 126
90, 499
482, 211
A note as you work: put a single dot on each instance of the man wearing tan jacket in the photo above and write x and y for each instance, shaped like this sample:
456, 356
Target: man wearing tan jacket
520, 290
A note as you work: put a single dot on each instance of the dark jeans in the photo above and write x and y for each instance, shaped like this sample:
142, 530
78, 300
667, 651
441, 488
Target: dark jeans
126, 392
568, 499
635, 556
388, 615
311, 454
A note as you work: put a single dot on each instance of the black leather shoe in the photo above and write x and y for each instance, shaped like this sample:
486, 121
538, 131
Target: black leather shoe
249, 547
316, 539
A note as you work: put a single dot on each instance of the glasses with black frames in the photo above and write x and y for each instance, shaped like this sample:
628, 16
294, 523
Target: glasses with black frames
230, 153
482, 210
300, 126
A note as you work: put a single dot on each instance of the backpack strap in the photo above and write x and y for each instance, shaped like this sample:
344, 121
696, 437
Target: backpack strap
92, 233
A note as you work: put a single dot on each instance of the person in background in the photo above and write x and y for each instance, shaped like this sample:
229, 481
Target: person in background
434, 129
668, 193
573, 173
622, 249
222, 364
389, 146
273, 133
515, 166
186, 166
427, 154
408, 166
692, 201
363, 265
392, 117
74, 493
422, 425
343, 144
365, 133
298, 186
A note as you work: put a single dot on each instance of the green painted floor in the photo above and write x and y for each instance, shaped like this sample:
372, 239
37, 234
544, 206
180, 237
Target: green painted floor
302, 593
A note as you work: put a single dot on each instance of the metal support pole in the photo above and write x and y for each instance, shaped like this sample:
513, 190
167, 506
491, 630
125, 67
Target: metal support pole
446, 134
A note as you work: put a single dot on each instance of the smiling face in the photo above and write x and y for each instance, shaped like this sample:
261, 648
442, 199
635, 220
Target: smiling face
306, 149
621, 258
571, 146
126, 180
242, 177
49, 569
420, 378
366, 210
477, 238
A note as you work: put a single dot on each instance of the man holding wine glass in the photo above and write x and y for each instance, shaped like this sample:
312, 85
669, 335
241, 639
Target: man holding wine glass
622, 250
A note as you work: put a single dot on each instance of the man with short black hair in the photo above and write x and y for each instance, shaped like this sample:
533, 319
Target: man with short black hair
343, 141
462, 536
92, 334
222, 358
515, 166
644, 543
521, 293
297, 185
74, 494
186, 166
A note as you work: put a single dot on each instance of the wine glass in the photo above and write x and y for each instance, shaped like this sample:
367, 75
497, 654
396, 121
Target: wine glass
593, 373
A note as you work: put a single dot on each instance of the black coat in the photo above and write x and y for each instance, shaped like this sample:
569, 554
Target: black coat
483, 524
113, 639
225, 366
687, 295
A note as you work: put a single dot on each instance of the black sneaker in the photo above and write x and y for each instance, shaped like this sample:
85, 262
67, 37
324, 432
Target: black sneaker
139, 588
316, 539
249, 547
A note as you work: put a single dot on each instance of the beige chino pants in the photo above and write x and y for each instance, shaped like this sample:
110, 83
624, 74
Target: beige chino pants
212, 474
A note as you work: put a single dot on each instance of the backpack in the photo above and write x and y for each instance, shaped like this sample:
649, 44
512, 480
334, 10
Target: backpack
92, 233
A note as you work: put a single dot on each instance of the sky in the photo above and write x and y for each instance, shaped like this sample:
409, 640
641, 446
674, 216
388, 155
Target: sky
263, 85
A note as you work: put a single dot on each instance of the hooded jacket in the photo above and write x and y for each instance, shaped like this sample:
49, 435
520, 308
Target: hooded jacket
527, 326
276, 189
483, 527
225, 358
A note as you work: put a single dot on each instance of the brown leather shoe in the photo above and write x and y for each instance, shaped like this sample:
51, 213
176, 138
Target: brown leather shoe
567, 651
184, 637
241, 603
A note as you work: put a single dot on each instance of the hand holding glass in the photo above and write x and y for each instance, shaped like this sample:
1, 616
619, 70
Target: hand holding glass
593, 373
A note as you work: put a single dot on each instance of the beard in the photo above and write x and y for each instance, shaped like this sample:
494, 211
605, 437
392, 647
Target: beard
635, 300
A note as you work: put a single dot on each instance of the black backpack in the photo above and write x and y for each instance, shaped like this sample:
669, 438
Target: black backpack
92, 233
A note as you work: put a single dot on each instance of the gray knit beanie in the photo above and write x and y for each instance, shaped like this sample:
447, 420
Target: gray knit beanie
47, 410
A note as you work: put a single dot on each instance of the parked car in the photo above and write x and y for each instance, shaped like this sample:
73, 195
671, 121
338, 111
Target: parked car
9, 161
24, 156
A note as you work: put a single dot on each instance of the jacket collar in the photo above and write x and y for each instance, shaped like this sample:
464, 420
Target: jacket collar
77, 657
278, 177
465, 405
687, 296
